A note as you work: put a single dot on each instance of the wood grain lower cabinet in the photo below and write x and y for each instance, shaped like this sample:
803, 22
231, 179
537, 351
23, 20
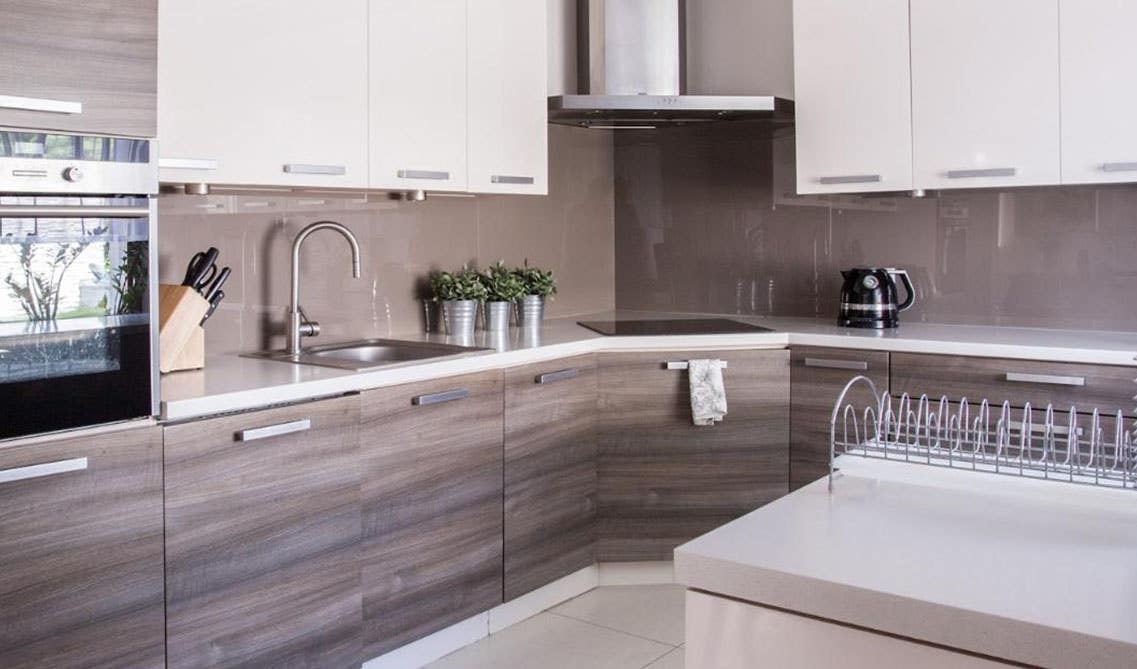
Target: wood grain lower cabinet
817, 377
663, 481
432, 507
262, 538
81, 551
550, 472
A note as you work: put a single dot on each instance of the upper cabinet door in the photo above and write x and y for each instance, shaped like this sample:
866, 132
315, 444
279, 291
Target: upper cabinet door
985, 93
508, 109
85, 67
854, 133
418, 94
1099, 91
263, 92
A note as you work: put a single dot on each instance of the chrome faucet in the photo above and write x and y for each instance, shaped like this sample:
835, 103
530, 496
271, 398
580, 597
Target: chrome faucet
298, 324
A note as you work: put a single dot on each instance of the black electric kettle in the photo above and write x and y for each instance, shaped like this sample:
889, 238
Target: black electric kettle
869, 297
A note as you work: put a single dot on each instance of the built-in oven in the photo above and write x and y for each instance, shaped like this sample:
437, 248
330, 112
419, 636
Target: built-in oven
78, 297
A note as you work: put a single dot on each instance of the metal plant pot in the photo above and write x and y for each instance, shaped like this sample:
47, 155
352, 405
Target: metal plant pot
496, 315
459, 317
530, 311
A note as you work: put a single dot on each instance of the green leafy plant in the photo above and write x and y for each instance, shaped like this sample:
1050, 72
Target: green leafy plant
462, 285
537, 281
502, 284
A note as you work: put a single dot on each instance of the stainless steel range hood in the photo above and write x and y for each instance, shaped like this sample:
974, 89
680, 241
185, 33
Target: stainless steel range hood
631, 65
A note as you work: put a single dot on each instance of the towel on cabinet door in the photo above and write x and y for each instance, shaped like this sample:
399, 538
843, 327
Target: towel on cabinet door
708, 395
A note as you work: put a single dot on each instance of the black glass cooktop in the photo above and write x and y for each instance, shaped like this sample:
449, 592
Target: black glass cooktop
685, 326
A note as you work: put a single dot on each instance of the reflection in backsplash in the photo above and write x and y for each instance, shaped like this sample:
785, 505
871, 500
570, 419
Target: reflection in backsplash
569, 231
707, 221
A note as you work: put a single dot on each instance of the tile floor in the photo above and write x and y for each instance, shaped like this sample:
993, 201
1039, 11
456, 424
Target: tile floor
616, 627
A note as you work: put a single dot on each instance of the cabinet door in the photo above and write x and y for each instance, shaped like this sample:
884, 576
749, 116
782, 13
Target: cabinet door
263, 92
262, 538
85, 67
508, 107
985, 93
432, 495
550, 472
1099, 91
662, 481
418, 94
81, 551
817, 377
854, 133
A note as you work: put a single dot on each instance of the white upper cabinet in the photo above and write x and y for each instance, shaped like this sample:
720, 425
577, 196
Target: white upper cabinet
984, 93
1099, 91
507, 124
852, 89
418, 94
263, 92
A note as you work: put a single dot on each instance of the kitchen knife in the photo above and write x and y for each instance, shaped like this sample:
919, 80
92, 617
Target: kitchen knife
217, 283
217, 297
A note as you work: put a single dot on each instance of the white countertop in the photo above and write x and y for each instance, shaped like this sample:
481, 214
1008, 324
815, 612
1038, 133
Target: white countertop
232, 383
1037, 572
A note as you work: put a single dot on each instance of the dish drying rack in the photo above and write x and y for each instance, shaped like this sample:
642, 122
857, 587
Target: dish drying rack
980, 437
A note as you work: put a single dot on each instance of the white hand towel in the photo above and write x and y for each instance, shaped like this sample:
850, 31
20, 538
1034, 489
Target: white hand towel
708, 395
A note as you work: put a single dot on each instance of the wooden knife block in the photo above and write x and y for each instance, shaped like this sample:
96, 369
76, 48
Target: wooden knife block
181, 339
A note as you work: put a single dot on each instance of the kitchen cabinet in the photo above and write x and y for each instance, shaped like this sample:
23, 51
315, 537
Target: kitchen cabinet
507, 122
817, 377
417, 90
854, 133
985, 110
432, 507
262, 538
550, 472
262, 92
662, 480
86, 67
1099, 143
81, 551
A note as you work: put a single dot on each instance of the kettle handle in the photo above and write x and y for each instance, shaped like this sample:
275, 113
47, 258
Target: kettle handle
911, 299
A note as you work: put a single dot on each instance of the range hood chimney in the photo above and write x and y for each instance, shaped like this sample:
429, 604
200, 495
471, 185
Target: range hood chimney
632, 72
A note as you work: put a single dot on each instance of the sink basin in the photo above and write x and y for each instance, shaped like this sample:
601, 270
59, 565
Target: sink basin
370, 353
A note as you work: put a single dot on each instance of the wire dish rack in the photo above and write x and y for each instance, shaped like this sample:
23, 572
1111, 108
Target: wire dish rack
1053, 444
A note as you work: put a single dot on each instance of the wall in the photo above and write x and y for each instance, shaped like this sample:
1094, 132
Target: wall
707, 221
569, 231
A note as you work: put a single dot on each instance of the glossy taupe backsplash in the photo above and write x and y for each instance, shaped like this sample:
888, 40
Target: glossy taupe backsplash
570, 231
707, 221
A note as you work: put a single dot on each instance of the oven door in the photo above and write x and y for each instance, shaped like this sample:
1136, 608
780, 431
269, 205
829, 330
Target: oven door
77, 301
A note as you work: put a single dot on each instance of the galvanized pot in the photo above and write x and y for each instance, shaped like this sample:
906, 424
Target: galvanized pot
530, 311
459, 317
496, 315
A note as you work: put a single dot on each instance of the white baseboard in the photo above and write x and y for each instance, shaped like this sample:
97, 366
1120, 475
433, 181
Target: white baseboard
430, 648
543, 598
636, 573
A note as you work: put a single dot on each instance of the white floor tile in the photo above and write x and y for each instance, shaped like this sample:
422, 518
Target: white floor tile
673, 660
550, 641
651, 611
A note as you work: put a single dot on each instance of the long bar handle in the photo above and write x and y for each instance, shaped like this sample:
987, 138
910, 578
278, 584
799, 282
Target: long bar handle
983, 174
506, 179
851, 179
41, 105
279, 430
424, 174
204, 164
35, 211
330, 170
1046, 379
683, 364
1119, 167
41, 470
822, 363
439, 398
559, 375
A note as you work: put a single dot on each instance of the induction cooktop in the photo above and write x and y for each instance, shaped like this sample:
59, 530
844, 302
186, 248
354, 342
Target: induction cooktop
684, 326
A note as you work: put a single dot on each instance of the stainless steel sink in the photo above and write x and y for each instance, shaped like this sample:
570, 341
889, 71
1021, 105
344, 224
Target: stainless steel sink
370, 353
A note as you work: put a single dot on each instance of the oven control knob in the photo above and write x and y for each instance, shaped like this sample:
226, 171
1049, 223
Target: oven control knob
73, 174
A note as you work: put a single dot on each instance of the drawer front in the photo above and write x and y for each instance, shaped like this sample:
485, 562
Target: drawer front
817, 377
550, 472
1105, 387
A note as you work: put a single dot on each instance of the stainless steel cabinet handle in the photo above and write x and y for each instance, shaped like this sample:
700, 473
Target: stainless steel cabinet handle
851, 179
985, 173
559, 375
331, 170
439, 398
30, 211
1119, 167
821, 363
683, 364
424, 174
1046, 379
41, 105
505, 179
274, 430
45, 469
187, 164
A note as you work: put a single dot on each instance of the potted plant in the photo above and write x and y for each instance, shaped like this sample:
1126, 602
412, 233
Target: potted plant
503, 288
539, 287
459, 293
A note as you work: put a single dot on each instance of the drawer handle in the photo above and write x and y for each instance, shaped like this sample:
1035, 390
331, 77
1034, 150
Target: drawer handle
45, 469
559, 375
821, 363
982, 174
203, 164
330, 170
1119, 167
274, 430
41, 105
851, 179
424, 174
1046, 379
683, 364
439, 398
505, 179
